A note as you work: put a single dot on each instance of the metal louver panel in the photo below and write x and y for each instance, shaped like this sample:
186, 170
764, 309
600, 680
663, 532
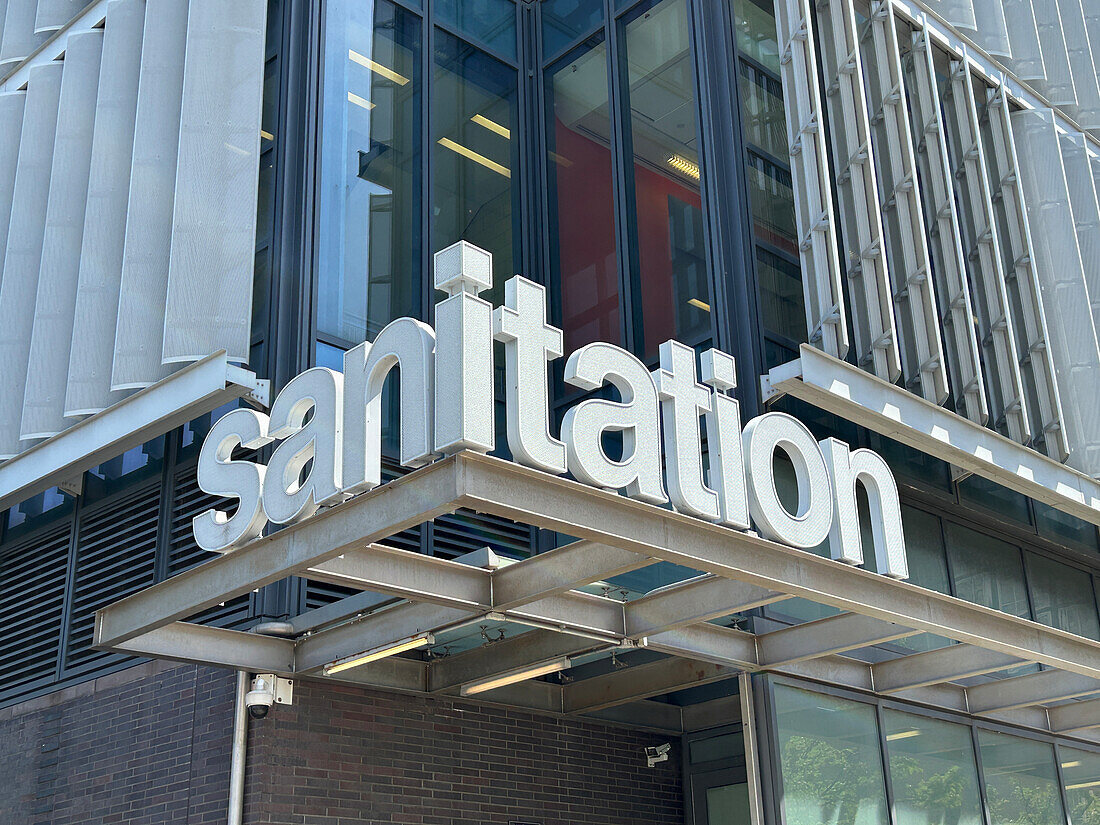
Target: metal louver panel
32, 595
23, 257
139, 334
1023, 35
854, 163
11, 124
990, 27
19, 39
55, 306
984, 253
1083, 69
88, 389
826, 317
115, 556
899, 186
959, 13
1036, 362
1086, 213
1058, 81
209, 305
945, 240
1060, 273
53, 14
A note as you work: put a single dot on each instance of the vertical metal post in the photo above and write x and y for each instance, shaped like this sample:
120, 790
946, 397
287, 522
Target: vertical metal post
240, 751
752, 755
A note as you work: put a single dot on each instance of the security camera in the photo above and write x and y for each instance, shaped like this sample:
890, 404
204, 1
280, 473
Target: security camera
262, 696
656, 754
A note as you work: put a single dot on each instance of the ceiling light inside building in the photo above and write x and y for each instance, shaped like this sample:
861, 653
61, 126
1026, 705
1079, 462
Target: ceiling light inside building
360, 101
904, 734
466, 152
703, 305
376, 67
684, 166
512, 676
492, 126
382, 652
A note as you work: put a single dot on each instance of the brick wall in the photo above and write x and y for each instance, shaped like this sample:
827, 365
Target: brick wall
151, 745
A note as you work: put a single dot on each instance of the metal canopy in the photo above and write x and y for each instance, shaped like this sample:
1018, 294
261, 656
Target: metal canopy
667, 640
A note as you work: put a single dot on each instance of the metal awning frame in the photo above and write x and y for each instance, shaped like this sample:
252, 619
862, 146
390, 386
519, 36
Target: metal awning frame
739, 571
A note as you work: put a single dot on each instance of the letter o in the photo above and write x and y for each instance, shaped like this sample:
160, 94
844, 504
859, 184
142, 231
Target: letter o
810, 525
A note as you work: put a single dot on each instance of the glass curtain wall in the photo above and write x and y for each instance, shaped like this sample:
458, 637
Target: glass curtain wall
847, 762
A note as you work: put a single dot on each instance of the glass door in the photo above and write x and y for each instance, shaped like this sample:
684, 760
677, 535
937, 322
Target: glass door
717, 778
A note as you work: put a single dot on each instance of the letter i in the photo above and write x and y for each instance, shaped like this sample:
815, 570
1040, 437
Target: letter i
726, 460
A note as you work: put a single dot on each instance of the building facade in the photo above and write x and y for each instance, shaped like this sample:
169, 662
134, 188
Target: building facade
874, 228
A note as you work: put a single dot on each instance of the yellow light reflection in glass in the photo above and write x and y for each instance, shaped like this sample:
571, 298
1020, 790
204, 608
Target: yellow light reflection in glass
492, 126
360, 101
466, 152
376, 67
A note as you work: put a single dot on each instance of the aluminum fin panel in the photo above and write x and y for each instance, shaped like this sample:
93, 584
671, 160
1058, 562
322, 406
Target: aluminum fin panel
54, 14
1086, 84
139, 335
209, 306
854, 160
1037, 365
1060, 272
19, 38
89, 374
11, 125
23, 254
1023, 35
1076, 158
983, 249
903, 219
991, 28
826, 315
55, 305
957, 315
959, 13
1057, 84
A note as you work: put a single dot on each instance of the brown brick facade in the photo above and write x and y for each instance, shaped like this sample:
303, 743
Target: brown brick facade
151, 745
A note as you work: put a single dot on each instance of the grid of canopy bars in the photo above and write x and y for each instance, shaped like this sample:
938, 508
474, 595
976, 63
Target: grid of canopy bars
562, 631
965, 247
130, 132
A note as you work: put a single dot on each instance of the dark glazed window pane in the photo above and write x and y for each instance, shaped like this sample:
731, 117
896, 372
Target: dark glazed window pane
988, 495
474, 151
932, 771
765, 121
1021, 783
756, 32
1081, 775
781, 303
675, 288
582, 198
370, 205
1062, 527
563, 21
924, 548
1063, 596
987, 571
830, 760
772, 198
493, 22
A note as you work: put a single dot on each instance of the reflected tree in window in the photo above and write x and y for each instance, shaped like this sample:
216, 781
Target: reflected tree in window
1021, 782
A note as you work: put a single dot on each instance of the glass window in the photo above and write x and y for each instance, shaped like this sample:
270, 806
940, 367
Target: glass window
493, 22
1062, 527
765, 121
1021, 782
1081, 774
36, 511
756, 37
563, 21
988, 495
987, 571
582, 194
369, 230
135, 464
782, 305
475, 155
925, 551
674, 299
932, 771
830, 760
1063, 596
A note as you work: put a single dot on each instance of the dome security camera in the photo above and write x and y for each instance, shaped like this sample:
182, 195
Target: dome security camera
262, 696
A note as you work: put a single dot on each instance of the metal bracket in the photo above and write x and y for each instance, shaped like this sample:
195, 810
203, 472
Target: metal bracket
72, 486
259, 389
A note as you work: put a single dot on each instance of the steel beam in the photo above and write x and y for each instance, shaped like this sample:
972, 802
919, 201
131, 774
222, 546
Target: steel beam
525, 650
560, 570
640, 682
1034, 689
936, 666
504, 489
695, 600
834, 634
1074, 716
708, 643
184, 642
372, 516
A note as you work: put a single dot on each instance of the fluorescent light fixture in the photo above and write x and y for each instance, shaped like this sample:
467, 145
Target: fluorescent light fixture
904, 734
360, 101
703, 305
1074, 764
458, 148
684, 166
377, 68
1094, 784
383, 652
492, 126
266, 135
510, 677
